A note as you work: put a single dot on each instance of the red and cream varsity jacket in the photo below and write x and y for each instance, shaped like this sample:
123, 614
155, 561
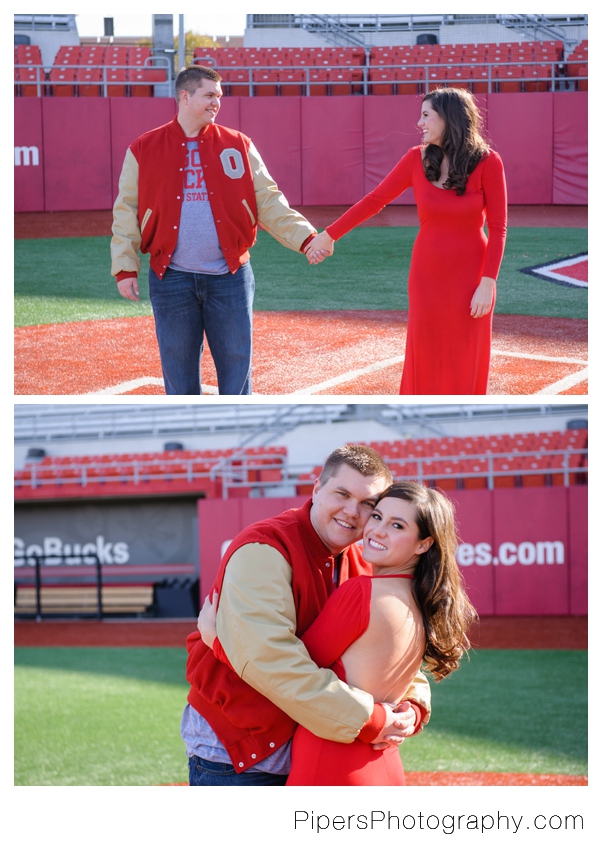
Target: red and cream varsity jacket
274, 580
242, 194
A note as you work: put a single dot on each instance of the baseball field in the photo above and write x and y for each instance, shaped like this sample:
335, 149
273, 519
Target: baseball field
336, 328
108, 697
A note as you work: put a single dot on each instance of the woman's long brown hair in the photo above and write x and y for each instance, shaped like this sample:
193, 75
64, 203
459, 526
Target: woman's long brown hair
462, 141
438, 587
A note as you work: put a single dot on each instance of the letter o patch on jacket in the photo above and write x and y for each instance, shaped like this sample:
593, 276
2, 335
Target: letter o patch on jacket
232, 162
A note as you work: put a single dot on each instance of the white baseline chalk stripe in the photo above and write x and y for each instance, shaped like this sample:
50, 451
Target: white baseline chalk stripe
566, 383
380, 365
529, 357
124, 387
350, 376
142, 382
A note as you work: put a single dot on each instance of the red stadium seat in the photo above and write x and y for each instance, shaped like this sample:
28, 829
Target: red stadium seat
237, 83
139, 76
28, 79
409, 81
119, 77
138, 55
92, 55
60, 78
265, 83
459, 76
116, 56
435, 76
318, 79
87, 79
538, 78
341, 81
382, 81
480, 79
292, 82
67, 55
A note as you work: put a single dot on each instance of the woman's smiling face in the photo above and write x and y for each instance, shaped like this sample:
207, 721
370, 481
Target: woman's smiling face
391, 535
431, 125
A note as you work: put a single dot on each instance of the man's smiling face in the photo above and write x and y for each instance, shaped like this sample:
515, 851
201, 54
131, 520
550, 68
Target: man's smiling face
342, 505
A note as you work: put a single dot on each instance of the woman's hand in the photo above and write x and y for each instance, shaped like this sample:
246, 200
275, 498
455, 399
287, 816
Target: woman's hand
207, 619
482, 299
320, 247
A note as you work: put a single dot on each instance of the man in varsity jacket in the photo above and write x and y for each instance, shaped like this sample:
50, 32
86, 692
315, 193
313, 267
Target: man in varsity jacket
191, 194
257, 681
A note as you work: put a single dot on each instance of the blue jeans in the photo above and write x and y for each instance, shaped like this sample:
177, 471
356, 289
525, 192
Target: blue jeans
189, 305
206, 773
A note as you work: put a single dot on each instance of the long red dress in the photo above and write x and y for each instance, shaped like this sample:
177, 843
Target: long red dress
317, 762
447, 351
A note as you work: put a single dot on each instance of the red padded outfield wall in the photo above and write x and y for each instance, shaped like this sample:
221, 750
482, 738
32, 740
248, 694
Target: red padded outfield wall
522, 551
320, 150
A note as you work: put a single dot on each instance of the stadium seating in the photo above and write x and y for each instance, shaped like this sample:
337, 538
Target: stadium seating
214, 473
402, 69
495, 461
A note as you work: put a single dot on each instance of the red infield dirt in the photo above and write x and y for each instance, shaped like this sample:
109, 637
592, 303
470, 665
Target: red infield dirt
534, 633
525, 352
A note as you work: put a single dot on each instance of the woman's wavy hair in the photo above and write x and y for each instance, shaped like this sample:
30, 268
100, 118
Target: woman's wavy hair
438, 587
462, 139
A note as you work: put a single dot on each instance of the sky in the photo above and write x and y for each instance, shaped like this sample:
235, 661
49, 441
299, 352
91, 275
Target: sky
227, 24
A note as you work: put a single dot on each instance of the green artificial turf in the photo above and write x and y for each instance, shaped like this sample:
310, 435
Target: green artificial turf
68, 280
503, 712
99, 716
111, 716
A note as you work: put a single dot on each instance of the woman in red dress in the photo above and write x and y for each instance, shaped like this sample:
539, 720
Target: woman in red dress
375, 632
459, 185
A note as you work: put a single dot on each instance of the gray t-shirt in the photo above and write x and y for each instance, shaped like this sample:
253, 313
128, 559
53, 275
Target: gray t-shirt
201, 740
197, 249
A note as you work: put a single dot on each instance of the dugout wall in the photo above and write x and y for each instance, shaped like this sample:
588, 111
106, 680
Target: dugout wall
140, 542
320, 150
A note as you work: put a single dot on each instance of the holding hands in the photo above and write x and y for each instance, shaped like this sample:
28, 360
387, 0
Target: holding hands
320, 247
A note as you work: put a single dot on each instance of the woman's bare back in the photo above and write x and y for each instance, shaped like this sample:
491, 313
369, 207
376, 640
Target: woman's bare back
385, 659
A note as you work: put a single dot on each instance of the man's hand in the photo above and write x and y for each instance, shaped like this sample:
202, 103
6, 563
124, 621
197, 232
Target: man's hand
320, 247
207, 620
128, 287
401, 723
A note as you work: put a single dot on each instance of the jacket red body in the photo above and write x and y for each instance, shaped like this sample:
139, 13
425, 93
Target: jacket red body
248, 724
161, 158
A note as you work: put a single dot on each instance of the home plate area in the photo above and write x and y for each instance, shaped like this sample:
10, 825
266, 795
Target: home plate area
295, 353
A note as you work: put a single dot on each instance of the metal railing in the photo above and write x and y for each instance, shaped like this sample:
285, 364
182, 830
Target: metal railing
362, 84
244, 471
71, 574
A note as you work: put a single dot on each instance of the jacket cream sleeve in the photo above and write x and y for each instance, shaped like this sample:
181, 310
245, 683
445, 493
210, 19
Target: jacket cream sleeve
126, 227
287, 226
256, 624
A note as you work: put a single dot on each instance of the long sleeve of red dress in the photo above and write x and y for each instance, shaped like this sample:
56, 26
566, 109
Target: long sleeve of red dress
496, 212
397, 181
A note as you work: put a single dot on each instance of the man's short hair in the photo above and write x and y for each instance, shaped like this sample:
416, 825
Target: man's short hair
192, 76
363, 459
